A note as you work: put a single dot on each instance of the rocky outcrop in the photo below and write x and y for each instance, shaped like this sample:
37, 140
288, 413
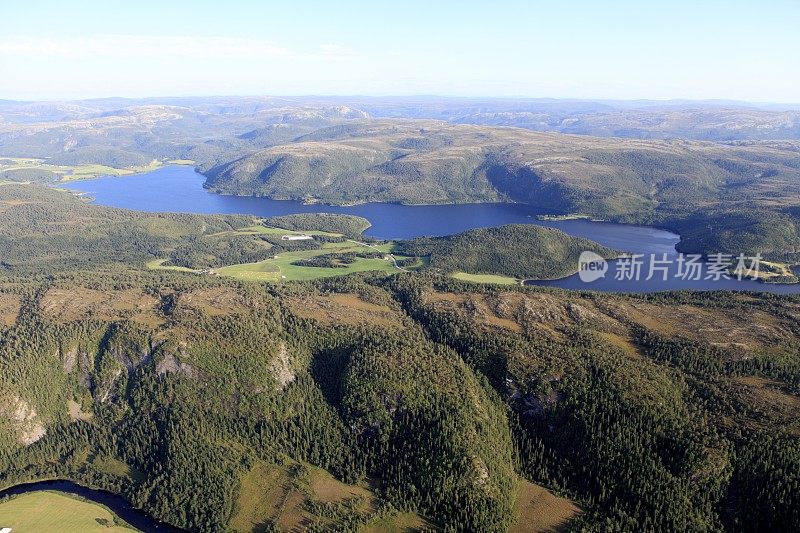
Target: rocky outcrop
281, 368
169, 364
24, 420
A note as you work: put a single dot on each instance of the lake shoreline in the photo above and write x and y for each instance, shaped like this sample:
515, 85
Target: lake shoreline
176, 188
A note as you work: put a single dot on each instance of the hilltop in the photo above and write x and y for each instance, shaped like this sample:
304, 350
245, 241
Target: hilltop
720, 197
521, 251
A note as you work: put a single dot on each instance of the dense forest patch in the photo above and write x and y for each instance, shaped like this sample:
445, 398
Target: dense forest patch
518, 250
334, 223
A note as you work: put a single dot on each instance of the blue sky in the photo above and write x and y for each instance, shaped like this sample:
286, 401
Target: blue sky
733, 49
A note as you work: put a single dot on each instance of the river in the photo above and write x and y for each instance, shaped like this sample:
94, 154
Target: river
118, 505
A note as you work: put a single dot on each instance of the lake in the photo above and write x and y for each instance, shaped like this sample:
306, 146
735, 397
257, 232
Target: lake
178, 188
118, 505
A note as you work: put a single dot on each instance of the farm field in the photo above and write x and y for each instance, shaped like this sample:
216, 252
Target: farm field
46, 511
485, 278
283, 265
10, 166
282, 268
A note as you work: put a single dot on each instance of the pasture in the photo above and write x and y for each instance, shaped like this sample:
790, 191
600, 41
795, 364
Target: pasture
47, 511
485, 278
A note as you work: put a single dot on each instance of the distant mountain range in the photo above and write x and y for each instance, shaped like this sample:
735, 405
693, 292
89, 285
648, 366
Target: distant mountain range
707, 119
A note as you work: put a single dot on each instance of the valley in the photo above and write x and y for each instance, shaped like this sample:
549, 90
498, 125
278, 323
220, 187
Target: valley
179, 188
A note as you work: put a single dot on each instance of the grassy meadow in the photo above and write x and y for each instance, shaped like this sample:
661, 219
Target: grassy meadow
47, 511
281, 267
63, 173
485, 278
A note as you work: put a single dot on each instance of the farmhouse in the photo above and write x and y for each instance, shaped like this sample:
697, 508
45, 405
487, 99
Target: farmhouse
296, 237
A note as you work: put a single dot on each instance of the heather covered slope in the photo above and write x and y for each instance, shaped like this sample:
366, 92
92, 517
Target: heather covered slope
738, 197
434, 162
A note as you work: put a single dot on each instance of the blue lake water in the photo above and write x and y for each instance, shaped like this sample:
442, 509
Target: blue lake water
180, 189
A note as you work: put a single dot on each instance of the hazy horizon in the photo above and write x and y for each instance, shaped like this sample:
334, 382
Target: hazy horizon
646, 102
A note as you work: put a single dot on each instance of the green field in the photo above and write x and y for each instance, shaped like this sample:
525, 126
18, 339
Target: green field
270, 230
281, 495
485, 278
158, 264
46, 511
72, 172
281, 267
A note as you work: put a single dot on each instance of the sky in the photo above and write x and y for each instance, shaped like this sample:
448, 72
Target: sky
678, 49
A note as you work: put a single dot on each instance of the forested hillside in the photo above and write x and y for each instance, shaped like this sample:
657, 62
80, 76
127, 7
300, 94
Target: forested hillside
345, 224
738, 197
176, 391
519, 250
43, 230
374, 401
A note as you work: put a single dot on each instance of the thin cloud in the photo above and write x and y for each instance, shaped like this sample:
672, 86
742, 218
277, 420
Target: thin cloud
338, 51
143, 46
